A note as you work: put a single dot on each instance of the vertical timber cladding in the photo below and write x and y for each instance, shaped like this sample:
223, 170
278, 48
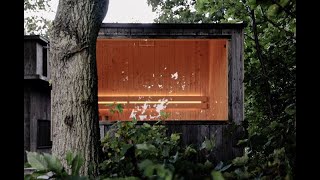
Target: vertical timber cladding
146, 68
194, 132
213, 52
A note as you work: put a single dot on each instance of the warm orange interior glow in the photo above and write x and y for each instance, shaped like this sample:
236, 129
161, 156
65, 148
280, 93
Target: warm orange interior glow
148, 102
130, 68
169, 102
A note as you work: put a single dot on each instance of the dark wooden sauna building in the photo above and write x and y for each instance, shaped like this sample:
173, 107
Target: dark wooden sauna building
195, 71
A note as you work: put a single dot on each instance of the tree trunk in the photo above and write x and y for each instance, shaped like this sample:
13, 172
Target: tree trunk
74, 106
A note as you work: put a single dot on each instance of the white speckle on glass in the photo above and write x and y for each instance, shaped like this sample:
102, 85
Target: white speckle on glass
133, 114
174, 76
144, 108
162, 105
142, 117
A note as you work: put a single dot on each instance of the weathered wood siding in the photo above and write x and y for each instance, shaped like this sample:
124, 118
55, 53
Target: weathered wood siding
34, 46
36, 91
37, 106
30, 56
194, 132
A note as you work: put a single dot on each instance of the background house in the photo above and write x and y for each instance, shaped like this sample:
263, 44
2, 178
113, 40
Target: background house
37, 105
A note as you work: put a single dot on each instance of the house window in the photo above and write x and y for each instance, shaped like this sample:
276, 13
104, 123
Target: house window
43, 134
44, 61
176, 79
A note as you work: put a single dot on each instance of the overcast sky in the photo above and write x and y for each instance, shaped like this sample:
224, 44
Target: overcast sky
121, 11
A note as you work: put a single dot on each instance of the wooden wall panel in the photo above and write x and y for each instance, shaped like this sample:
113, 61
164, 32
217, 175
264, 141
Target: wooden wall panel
218, 80
146, 68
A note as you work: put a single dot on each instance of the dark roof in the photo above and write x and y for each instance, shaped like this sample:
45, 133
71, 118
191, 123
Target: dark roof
176, 25
38, 38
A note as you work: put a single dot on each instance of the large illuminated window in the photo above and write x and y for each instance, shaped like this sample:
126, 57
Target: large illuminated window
187, 79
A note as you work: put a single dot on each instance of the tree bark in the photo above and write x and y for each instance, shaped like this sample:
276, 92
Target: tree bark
74, 100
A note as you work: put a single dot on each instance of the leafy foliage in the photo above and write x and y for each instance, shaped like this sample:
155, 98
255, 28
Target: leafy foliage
50, 167
115, 108
149, 152
125, 144
145, 151
270, 80
34, 23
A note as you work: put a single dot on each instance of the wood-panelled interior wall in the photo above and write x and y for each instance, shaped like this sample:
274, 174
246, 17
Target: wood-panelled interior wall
164, 67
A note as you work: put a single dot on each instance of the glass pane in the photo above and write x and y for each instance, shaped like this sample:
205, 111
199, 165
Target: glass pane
173, 79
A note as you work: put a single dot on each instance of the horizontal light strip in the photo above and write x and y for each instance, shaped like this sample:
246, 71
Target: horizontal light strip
153, 98
177, 105
149, 102
169, 102
111, 102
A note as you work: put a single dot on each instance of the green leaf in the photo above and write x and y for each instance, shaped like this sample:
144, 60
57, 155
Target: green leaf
283, 3
69, 158
134, 120
117, 135
125, 148
146, 125
242, 141
252, 4
290, 109
28, 177
225, 167
240, 161
175, 137
207, 144
119, 108
148, 171
175, 157
145, 146
35, 175
219, 166
165, 151
37, 161
54, 163
272, 10
164, 115
147, 166
144, 164
216, 175
77, 162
